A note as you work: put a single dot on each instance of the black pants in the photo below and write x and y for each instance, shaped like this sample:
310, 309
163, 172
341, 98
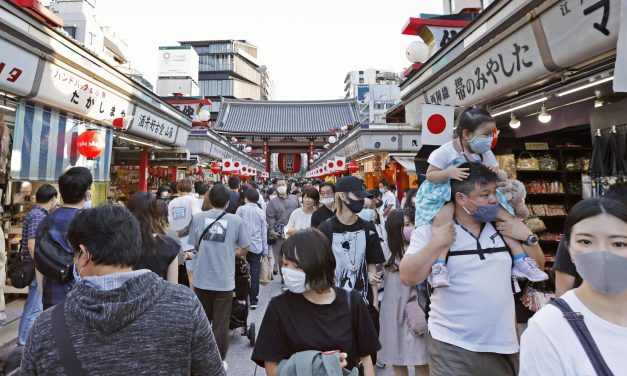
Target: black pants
254, 260
217, 306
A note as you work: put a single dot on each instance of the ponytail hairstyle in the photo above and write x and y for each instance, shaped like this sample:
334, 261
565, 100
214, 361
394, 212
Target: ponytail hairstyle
471, 119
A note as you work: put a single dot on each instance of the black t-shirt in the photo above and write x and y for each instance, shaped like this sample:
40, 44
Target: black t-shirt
320, 215
166, 250
565, 264
354, 247
293, 324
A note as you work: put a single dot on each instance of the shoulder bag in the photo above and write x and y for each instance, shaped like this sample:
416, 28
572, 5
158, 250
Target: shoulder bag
577, 323
69, 360
208, 228
415, 316
51, 258
21, 271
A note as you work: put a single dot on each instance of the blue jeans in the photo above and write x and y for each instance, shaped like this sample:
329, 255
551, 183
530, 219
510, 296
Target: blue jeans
32, 308
255, 271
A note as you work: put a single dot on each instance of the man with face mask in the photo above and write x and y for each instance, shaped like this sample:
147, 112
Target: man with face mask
327, 207
472, 321
74, 187
355, 244
278, 214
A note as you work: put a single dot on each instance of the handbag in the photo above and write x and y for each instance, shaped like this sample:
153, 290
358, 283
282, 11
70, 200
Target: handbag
534, 298
547, 163
535, 224
528, 162
415, 317
265, 276
21, 272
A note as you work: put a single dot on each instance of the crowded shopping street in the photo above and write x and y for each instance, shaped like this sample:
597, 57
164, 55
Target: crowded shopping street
421, 188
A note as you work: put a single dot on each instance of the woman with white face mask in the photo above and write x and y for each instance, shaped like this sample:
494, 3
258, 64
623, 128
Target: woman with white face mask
313, 314
596, 236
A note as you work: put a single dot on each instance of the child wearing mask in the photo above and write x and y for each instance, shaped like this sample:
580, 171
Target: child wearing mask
474, 138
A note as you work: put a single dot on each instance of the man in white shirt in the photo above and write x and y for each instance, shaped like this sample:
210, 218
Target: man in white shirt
472, 324
180, 213
389, 200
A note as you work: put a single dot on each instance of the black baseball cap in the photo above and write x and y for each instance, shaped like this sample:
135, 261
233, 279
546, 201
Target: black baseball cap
352, 184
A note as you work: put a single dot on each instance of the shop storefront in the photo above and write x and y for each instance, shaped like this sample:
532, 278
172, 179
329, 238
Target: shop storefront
545, 72
62, 106
381, 150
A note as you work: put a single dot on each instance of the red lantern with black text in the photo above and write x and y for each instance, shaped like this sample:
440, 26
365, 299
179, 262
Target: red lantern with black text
90, 144
353, 167
289, 163
215, 167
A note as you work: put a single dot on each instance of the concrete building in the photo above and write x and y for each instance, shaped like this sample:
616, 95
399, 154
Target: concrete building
376, 92
80, 22
177, 72
267, 85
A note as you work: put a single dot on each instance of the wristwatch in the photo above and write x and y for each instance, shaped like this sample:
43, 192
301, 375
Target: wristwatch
531, 241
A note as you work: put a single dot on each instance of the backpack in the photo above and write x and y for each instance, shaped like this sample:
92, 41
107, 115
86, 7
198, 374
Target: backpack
52, 259
425, 290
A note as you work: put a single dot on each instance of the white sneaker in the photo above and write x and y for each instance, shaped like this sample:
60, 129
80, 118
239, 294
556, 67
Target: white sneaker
439, 276
528, 268
225, 365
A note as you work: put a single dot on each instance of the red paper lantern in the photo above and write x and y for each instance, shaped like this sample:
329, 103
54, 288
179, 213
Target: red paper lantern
215, 167
353, 167
91, 144
495, 134
151, 170
289, 163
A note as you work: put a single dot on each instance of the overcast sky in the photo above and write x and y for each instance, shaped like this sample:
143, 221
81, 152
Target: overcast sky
309, 46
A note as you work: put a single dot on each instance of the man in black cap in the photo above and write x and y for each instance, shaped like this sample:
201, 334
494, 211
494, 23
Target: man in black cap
356, 245
355, 242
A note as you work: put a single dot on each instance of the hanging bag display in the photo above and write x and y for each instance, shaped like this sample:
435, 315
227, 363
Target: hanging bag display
547, 162
526, 161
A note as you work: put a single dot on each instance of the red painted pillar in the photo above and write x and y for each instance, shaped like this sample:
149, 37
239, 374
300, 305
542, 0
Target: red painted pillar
143, 170
266, 155
173, 171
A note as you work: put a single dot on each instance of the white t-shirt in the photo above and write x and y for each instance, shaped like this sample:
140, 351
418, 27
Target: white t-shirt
476, 312
180, 213
388, 200
299, 219
446, 156
549, 346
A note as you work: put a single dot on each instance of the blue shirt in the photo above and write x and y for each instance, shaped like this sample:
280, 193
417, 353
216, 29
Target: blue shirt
255, 221
29, 227
59, 223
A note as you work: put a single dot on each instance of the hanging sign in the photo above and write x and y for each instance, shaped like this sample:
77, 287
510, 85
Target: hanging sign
17, 69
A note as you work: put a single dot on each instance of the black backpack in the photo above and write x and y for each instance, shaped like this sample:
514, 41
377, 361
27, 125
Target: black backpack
52, 259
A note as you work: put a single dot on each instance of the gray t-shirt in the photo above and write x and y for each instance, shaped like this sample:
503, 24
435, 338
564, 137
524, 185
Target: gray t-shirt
215, 265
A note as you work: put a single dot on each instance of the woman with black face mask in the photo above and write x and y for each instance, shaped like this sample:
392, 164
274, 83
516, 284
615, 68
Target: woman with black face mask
355, 243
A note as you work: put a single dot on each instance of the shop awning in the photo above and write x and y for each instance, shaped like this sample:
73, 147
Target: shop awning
406, 160
44, 145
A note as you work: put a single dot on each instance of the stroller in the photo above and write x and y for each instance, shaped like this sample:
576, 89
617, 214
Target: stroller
239, 310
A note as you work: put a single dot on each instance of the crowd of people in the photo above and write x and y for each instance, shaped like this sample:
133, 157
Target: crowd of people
425, 283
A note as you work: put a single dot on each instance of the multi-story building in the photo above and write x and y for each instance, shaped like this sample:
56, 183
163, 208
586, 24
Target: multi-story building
376, 92
80, 22
227, 68
267, 85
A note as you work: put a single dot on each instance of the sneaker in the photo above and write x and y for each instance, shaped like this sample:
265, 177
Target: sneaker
3, 318
439, 276
528, 268
253, 306
225, 365
380, 364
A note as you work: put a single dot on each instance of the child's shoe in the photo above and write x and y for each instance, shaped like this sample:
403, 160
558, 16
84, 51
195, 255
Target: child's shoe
439, 276
528, 268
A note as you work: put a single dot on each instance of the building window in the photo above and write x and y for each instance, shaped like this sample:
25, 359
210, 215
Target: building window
71, 30
361, 72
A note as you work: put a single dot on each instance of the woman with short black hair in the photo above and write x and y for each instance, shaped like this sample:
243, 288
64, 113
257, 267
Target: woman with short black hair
313, 314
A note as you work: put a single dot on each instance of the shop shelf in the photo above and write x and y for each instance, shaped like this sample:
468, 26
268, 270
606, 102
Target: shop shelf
540, 171
545, 194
